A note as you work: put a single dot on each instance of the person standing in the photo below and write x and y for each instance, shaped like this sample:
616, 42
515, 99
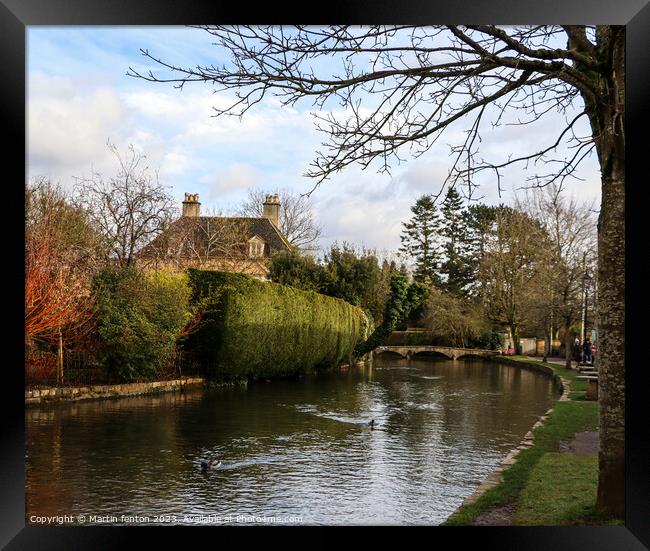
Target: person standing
586, 350
576, 350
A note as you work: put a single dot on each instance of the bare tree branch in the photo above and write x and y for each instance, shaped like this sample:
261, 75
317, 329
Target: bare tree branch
427, 78
128, 209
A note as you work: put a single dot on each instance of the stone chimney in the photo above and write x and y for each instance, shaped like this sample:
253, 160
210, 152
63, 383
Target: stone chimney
272, 209
191, 205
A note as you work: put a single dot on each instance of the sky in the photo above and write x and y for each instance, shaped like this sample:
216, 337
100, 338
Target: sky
79, 97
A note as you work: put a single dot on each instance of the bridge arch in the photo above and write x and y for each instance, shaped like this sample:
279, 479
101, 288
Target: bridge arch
471, 355
432, 354
380, 352
431, 350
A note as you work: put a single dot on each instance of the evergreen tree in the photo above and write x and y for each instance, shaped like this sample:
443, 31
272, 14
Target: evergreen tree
456, 267
420, 240
479, 221
353, 276
404, 298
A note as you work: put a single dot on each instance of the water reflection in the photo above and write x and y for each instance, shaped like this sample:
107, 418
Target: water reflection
300, 448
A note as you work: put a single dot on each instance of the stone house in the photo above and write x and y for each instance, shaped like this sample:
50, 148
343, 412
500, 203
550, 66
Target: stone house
229, 244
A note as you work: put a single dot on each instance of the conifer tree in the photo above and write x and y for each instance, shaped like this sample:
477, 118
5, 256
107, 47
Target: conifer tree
456, 268
420, 240
479, 220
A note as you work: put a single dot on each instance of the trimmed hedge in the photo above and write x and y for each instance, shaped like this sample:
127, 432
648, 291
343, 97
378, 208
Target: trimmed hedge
253, 329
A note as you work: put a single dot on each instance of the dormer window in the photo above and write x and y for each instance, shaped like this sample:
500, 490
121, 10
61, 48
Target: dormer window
256, 247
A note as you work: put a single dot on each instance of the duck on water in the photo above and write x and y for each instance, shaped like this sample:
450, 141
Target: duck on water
210, 465
213, 464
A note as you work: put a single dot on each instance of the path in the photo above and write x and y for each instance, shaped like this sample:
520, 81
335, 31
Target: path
583, 442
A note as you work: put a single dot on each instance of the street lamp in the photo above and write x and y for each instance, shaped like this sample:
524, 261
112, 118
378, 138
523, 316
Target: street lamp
586, 279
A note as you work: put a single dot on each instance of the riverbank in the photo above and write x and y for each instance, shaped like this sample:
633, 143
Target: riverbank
94, 392
43, 395
553, 480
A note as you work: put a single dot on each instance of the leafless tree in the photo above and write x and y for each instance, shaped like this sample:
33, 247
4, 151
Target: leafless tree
453, 317
49, 207
512, 265
399, 88
571, 228
297, 221
129, 209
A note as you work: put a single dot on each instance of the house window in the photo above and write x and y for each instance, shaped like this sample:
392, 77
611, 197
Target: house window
256, 249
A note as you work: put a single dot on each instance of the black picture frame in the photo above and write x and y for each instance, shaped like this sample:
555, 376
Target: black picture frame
16, 15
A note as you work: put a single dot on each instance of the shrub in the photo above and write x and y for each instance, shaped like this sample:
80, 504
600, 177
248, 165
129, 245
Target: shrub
252, 329
139, 316
491, 340
297, 270
452, 318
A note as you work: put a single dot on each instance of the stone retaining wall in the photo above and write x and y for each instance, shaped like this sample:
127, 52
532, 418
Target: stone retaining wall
48, 395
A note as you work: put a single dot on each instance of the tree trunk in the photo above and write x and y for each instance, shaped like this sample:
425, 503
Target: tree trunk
567, 346
611, 307
607, 121
515, 338
611, 302
59, 359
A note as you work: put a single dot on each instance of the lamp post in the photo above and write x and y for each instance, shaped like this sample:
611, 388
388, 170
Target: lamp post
586, 279
584, 299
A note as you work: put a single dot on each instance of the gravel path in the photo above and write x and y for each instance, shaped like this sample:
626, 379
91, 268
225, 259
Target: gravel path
497, 516
583, 442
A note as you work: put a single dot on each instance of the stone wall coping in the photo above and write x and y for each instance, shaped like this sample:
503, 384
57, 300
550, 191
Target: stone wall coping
51, 394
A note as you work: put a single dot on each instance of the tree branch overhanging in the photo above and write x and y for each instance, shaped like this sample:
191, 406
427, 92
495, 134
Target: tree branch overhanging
424, 78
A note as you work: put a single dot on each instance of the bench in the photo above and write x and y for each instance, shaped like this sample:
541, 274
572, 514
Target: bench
592, 387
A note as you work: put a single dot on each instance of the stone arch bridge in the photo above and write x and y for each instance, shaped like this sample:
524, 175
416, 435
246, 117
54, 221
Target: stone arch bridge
450, 352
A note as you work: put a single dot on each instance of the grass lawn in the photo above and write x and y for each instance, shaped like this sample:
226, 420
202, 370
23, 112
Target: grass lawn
561, 489
527, 481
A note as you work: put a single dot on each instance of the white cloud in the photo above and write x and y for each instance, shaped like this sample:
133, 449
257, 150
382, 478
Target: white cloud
68, 127
373, 225
234, 178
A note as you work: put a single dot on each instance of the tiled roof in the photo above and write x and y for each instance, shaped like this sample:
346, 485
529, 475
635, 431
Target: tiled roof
200, 227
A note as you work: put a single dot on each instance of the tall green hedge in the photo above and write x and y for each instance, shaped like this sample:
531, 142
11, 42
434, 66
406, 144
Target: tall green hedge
252, 329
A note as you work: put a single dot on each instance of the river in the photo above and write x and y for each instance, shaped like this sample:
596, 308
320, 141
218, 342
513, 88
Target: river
291, 451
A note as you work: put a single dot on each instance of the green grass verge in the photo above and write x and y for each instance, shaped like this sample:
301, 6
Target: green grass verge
562, 489
566, 419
